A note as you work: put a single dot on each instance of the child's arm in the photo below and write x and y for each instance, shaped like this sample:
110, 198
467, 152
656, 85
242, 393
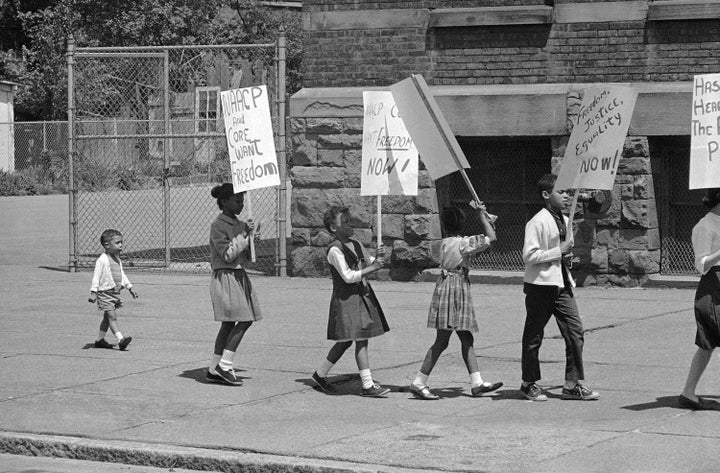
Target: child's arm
95, 280
336, 258
127, 284
534, 251
230, 248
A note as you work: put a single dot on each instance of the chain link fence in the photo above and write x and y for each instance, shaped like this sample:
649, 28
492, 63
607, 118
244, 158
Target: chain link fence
504, 174
148, 144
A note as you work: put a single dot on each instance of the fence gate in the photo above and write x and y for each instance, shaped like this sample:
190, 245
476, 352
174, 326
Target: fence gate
504, 173
146, 144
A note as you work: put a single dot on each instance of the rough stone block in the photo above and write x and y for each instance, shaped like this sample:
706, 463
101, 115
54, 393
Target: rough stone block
607, 237
309, 261
422, 227
340, 141
302, 176
353, 125
296, 126
644, 262
304, 151
638, 239
639, 213
308, 206
300, 236
322, 238
393, 226
618, 262
417, 256
324, 126
330, 158
634, 165
598, 260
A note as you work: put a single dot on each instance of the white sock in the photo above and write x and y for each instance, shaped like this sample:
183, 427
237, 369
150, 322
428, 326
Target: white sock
226, 362
421, 379
101, 335
325, 368
366, 378
119, 336
214, 362
476, 380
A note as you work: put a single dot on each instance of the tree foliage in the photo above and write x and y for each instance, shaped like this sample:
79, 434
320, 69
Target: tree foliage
34, 33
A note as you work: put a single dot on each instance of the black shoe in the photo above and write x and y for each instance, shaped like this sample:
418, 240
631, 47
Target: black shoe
700, 405
579, 393
423, 392
323, 383
102, 343
375, 391
124, 343
228, 376
214, 378
532, 392
482, 389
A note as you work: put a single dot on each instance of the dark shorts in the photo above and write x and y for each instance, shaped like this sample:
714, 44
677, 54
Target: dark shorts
707, 310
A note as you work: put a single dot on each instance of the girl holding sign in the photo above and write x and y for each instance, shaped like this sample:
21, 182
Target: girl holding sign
234, 302
706, 245
451, 309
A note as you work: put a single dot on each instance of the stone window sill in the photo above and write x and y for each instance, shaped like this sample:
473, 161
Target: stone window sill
665, 10
485, 16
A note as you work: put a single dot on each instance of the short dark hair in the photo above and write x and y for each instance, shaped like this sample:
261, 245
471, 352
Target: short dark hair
331, 215
107, 234
712, 197
452, 219
546, 183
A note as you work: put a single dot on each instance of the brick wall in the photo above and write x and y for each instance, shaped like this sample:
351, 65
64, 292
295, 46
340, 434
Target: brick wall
617, 51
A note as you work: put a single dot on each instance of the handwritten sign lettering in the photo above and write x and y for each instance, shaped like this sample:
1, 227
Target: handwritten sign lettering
389, 156
251, 146
596, 141
705, 132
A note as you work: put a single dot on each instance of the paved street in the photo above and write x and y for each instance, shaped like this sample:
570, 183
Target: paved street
150, 405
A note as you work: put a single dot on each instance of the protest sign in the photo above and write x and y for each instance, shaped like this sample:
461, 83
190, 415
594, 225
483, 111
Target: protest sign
249, 133
596, 142
435, 141
389, 156
705, 134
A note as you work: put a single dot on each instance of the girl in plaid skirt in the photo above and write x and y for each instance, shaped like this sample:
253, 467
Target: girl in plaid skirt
451, 309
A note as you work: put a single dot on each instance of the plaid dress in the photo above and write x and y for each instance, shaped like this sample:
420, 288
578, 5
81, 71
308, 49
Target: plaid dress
451, 307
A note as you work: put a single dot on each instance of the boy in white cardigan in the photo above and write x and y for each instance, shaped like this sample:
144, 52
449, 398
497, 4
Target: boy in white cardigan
548, 287
108, 279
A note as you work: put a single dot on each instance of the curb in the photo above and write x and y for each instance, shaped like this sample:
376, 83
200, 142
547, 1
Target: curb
173, 456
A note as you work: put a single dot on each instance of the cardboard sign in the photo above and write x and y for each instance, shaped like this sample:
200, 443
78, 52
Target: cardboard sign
596, 143
389, 156
438, 147
251, 146
705, 134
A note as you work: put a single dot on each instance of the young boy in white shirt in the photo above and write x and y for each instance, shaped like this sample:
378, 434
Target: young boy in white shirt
548, 287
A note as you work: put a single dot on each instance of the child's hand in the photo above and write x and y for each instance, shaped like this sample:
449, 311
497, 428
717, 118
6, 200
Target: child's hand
134, 294
566, 246
92, 298
377, 264
251, 225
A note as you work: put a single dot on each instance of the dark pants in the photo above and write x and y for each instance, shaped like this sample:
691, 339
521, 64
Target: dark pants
541, 302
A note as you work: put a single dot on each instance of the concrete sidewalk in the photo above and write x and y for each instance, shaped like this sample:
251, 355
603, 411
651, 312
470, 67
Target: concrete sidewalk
150, 405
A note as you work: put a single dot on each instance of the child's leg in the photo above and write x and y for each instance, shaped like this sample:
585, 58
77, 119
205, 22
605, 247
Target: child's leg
104, 325
467, 349
571, 328
363, 363
237, 332
220, 343
697, 367
335, 353
111, 318
442, 338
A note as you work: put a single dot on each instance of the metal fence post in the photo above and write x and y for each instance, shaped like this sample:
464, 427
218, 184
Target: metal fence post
72, 261
166, 155
282, 218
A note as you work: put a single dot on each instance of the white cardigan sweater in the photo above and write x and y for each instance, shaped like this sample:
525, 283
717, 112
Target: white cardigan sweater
541, 251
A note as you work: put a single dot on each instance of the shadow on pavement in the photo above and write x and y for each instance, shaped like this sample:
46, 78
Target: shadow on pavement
664, 401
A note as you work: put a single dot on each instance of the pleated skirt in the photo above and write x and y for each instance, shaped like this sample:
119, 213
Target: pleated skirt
233, 298
451, 307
